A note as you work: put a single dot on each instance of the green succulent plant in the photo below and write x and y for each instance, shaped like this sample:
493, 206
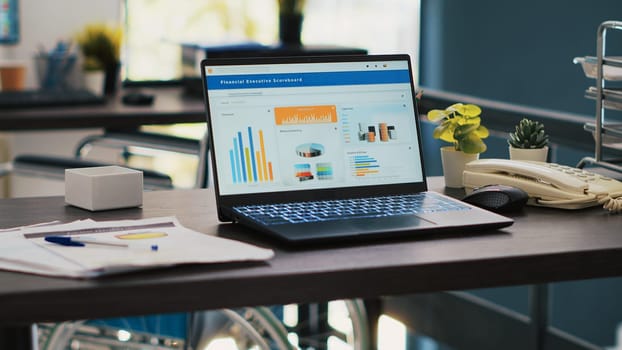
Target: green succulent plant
460, 125
529, 134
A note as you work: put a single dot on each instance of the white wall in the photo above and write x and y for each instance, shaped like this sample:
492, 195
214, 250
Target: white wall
42, 24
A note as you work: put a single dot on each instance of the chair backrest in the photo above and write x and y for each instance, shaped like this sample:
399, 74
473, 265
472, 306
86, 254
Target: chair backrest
155, 141
53, 167
203, 168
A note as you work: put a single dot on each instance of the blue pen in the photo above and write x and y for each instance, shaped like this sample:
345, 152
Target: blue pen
81, 241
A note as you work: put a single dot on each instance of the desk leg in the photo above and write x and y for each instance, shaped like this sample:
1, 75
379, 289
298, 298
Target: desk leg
539, 314
313, 329
18, 337
373, 309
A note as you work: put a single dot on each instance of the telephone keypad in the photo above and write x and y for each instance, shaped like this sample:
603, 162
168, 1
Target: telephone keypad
580, 173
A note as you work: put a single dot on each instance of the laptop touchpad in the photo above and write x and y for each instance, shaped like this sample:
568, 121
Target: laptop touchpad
389, 223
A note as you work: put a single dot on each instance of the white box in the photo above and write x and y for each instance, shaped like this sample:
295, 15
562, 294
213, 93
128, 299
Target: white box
105, 187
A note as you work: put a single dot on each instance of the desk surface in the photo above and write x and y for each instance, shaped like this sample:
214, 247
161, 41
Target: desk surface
170, 106
543, 245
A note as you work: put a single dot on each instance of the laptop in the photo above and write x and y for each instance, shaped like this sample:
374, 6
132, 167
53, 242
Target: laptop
319, 149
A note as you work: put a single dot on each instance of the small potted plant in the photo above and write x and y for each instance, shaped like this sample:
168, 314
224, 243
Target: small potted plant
529, 141
460, 125
100, 45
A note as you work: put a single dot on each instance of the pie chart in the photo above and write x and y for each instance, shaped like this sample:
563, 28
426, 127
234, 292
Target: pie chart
310, 150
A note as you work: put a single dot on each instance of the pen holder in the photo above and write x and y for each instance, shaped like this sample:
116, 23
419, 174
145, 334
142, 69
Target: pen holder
102, 188
57, 71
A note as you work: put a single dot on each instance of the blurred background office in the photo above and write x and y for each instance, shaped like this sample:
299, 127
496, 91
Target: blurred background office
517, 53
154, 32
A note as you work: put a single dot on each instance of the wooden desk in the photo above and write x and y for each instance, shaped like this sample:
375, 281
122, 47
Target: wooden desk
170, 106
543, 245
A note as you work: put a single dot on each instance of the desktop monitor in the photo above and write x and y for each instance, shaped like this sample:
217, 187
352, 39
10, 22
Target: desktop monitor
9, 22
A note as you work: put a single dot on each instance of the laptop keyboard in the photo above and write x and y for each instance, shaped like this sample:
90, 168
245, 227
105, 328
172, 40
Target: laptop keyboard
286, 213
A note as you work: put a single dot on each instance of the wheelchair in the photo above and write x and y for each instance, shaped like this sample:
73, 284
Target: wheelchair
248, 328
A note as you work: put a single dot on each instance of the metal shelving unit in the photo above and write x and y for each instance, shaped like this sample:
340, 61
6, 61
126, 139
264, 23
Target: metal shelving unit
606, 71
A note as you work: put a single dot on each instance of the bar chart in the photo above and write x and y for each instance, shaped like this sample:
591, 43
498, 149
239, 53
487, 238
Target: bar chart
248, 159
364, 165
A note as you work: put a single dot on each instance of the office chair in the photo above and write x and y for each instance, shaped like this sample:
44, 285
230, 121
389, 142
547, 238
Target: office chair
125, 141
53, 167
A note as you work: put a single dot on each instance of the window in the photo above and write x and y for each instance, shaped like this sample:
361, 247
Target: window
380, 26
155, 29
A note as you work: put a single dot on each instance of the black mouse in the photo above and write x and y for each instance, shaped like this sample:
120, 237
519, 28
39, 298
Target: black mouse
498, 198
137, 99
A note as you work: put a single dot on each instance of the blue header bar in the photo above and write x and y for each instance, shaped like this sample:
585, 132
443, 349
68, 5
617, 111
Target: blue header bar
286, 80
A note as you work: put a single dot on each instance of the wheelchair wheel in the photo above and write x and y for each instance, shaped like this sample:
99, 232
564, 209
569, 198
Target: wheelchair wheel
248, 328
83, 335
245, 329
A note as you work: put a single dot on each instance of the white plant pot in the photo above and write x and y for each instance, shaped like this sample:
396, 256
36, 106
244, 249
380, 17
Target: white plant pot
94, 82
453, 165
537, 154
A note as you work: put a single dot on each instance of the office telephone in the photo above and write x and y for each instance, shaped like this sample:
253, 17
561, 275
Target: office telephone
548, 184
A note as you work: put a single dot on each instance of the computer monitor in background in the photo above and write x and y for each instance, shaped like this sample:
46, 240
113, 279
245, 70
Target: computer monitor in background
9, 22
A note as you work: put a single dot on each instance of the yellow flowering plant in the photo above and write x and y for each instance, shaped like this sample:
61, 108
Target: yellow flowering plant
460, 125
100, 45
291, 6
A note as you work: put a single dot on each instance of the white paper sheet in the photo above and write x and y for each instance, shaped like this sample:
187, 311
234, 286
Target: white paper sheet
150, 243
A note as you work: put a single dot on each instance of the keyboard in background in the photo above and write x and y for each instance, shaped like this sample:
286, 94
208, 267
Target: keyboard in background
48, 98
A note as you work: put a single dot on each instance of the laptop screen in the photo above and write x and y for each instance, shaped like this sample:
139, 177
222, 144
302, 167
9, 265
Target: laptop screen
312, 125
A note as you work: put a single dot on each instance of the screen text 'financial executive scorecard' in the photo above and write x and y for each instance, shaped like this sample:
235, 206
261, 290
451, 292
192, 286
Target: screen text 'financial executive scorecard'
311, 126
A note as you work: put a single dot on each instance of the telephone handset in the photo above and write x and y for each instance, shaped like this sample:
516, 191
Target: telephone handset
548, 184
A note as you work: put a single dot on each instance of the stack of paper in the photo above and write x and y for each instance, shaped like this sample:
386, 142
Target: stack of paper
135, 244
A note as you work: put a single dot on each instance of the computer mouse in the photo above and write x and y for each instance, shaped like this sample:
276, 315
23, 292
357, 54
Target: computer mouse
497, 198
137, 99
